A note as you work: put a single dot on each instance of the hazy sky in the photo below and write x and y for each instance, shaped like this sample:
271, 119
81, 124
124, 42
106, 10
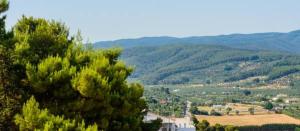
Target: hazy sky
114, 19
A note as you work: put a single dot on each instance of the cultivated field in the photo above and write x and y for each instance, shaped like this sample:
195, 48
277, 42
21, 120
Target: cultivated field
245, 120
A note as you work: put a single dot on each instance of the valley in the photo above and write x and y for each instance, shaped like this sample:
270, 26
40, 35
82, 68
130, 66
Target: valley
226, 84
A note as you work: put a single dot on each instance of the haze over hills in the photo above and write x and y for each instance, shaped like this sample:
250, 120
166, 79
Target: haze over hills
287, 42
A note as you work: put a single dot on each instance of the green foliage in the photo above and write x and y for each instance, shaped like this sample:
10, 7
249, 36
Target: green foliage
205, 126
40, 59
246, 92
153, 125
76, 82
214, 113
38, 38
283, 71
251, 110
268, 105
164, 102
228, 110
293, 112
32, 118
48, 73
9, 93
194, 110
3, 6
231, 128
270, 127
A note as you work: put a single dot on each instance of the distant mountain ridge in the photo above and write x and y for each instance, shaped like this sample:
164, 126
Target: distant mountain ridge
273, 41
181, 64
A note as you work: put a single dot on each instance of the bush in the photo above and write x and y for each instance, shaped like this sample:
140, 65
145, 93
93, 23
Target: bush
153, 125
268, 105
194, 110
251, 110
215, 113
205, 126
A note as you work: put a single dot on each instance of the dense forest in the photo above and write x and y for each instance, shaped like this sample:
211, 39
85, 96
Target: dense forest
182, 64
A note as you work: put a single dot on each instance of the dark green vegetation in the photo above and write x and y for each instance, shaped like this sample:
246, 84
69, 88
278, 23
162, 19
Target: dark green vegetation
154, 125
194, 110
191, 64
161, 101
288, 42
268, 105
61, 84
293, 111
205, 126
271, 127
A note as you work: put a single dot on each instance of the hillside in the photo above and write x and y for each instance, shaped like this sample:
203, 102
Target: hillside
287, 42
183, 63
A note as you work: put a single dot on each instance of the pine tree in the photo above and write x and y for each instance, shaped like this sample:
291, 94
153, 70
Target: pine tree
9, 95
71, 80
33, 118
71, 83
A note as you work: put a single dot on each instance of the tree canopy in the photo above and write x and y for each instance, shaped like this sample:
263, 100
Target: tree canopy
61, 83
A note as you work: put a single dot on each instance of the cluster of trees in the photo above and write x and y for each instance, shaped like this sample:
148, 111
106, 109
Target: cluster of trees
50, 81
283, 71
271, 127
205, 126
251, 73
268, 105
163, 102
194, 110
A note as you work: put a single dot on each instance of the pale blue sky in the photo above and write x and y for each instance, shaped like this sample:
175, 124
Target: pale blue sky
115, 19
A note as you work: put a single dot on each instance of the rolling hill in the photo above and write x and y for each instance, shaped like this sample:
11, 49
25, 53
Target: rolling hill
185, 63
267, 57
286, 42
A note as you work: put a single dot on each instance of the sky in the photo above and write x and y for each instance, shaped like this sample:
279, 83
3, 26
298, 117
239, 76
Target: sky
100, 20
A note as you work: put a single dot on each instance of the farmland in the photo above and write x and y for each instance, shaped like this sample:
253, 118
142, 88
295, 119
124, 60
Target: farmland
217, 98
245, 120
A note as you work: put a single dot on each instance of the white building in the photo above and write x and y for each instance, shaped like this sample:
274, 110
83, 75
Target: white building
172, 124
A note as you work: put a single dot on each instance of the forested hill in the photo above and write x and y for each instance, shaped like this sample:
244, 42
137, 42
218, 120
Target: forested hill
183, 63
288, 42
